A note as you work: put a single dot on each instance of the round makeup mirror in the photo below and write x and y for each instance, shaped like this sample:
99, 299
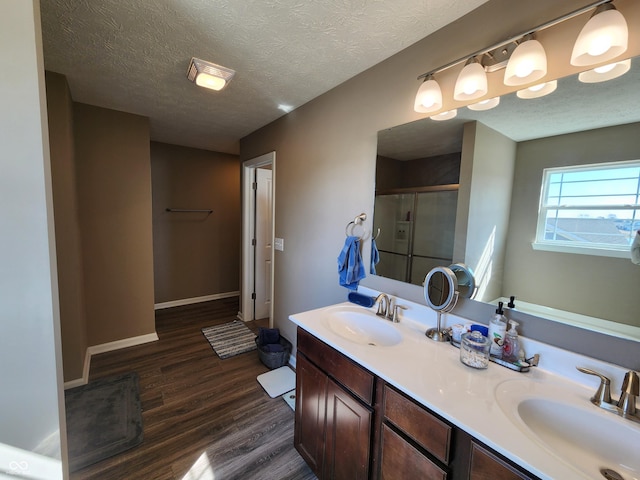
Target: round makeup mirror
441, 294
466, 280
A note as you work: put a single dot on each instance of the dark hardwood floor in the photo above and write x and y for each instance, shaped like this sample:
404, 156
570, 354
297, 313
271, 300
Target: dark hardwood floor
189, 396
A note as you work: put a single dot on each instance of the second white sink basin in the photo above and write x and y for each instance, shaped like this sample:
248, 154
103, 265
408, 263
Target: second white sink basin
571, 428
361, 326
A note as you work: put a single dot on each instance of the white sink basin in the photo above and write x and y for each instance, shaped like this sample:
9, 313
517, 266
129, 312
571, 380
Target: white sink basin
362, 326
565, 423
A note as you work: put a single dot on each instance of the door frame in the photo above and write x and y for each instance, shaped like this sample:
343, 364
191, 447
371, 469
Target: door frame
248, 226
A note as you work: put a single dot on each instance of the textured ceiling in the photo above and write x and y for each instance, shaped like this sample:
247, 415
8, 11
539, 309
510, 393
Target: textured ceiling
133, 55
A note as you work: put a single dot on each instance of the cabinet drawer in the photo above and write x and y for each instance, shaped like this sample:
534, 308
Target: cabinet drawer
400, 460
345, 371
424, 428
485, 465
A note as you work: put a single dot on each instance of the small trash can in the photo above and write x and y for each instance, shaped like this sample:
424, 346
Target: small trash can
273, 359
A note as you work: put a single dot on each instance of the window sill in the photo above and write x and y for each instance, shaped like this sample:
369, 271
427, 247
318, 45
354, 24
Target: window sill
598, 252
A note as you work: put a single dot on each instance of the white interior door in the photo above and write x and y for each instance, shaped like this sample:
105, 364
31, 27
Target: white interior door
264, 239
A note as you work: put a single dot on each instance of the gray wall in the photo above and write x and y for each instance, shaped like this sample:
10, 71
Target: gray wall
31, 402
482, 220
113, 170
195, 254
326, 154
68, 242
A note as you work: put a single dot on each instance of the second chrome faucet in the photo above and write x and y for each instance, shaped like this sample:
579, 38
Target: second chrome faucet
626, 405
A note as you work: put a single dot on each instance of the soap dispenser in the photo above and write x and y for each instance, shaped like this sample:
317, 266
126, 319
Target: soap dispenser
511, 347
497, 329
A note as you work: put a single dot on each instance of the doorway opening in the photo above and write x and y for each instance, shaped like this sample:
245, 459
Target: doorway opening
258, 222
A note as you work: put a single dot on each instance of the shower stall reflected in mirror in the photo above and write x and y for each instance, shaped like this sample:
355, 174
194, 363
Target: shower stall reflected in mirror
416, 231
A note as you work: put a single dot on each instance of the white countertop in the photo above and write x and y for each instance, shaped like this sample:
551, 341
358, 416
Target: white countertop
432, 374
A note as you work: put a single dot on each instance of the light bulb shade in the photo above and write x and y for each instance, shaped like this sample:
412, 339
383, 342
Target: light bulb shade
537, 91
471, 82
527, 64
606, 72
448, 115
210, 81
485, 104
429, 97
604, 37
209, 75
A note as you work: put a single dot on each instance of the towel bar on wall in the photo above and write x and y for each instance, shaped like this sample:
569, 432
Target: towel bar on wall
190, 210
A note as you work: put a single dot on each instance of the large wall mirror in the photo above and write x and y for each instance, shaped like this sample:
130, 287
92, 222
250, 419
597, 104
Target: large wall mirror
438, 183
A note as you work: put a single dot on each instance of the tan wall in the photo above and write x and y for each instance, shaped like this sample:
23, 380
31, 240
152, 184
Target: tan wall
195, 254
326, 153
602, 287
65, 206
114, 198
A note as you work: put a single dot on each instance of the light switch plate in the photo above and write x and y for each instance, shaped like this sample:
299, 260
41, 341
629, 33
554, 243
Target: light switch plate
278, 244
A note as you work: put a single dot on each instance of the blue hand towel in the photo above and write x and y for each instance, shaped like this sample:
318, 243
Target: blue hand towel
375, 257
350, 267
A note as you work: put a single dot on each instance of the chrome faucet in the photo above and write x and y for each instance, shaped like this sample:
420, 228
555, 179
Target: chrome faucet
383, 305
388, 308
626, 404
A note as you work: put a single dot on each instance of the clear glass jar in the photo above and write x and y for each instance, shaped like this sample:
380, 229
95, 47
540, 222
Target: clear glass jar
474, 350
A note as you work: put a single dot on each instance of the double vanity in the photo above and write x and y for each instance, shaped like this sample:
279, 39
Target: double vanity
377, 399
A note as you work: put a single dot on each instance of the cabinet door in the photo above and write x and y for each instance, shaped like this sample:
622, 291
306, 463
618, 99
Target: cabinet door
311, 387
486, 466
348, 436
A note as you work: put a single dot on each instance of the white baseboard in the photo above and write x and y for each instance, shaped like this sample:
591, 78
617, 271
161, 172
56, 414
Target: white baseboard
108, 347
189, 301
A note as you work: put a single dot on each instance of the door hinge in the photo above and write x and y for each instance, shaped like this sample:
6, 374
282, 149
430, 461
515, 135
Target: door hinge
253, 242
253, 296
254, 186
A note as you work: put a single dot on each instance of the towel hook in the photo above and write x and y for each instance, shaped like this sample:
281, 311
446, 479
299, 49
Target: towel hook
377, 234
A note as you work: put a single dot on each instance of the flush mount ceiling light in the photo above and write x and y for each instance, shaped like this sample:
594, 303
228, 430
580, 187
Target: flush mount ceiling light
604, 37
429, 96
209, 75
605, 72
471, 82
537, 91
448, 115
485, 104
527, 64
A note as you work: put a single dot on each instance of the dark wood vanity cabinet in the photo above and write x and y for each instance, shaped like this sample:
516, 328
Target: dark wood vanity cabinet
350, 425
334, 414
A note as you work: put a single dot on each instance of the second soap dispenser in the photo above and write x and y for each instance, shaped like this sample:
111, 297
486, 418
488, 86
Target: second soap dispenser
511, 347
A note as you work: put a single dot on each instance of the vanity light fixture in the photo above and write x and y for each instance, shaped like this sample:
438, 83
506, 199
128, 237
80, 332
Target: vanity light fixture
604, 37
485, 104
429, 96
525, 59
448, 115
209, 75
537, 91
605, 72
528, 63
471, 82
